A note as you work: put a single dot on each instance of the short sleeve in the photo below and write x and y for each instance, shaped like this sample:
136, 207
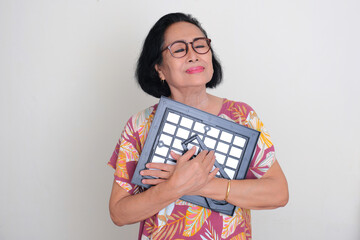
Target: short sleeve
128, 149
264, 155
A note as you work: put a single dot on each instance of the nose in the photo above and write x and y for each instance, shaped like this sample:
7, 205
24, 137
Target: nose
192, 55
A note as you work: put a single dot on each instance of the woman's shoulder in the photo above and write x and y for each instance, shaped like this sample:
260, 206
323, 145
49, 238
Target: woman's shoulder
145, 113
141, 118
237, 111
231, 105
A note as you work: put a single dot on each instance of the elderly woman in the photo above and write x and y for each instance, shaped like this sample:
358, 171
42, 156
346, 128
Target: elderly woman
177, 61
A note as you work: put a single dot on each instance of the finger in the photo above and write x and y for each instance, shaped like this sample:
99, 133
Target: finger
152, 181
209, 160
187, 155
174, 155
209, 155
161, 166
213, 173
201, 156
155, 173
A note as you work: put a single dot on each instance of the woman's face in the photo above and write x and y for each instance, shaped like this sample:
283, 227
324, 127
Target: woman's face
192, 70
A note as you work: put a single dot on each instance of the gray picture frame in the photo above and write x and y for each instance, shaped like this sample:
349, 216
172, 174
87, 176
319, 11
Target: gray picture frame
176, 125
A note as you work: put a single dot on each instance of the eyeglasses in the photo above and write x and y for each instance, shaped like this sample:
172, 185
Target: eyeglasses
179, 49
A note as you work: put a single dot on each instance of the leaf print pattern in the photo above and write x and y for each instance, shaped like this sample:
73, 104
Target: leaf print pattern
239, 112
210, 234
124, 185
268, 161
167, 231
121, 166
137, 128
180, 202
240, 236
195, 218
262, 161
255, 123
247, 217
229, 224
144, 122
181, 219
129, 153
164, 214
241, 218
226, 117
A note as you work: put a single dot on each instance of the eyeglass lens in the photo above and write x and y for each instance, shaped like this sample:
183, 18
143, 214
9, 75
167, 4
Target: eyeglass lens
179, 49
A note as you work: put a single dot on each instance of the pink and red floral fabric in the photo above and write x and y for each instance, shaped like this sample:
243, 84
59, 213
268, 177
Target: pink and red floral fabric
180, 219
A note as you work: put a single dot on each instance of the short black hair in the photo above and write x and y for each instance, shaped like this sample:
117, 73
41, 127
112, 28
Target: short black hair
150, 55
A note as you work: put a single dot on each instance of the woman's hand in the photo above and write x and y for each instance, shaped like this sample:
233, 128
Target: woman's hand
189, 176
162, 172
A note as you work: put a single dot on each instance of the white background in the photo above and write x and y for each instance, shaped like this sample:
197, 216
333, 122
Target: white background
67, 89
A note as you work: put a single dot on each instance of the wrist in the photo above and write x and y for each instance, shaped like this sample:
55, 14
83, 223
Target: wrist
215, 189
170, 189
210, 189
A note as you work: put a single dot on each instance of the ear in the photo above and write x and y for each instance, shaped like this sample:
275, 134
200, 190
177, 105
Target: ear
161, 74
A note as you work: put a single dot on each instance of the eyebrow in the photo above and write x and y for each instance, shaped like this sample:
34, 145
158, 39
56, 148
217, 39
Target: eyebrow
183, 40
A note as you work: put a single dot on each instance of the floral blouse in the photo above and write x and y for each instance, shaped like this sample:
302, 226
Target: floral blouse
181, 219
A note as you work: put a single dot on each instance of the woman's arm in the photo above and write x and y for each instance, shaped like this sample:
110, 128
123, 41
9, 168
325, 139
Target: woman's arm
127, 209
268, 192
187, 178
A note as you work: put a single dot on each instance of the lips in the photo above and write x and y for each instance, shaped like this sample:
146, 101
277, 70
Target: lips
195, 70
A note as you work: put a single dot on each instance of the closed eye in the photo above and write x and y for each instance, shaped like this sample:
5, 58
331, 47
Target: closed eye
179, 50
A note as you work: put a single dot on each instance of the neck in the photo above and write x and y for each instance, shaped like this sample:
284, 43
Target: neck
200, 100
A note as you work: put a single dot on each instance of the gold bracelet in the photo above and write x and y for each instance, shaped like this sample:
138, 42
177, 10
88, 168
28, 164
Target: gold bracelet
227, 190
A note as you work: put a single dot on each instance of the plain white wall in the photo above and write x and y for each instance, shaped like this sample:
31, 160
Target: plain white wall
67, 89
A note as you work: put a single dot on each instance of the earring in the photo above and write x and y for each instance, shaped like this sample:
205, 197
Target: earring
162, 81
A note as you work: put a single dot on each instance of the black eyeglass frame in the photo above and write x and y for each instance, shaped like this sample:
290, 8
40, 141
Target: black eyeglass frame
208, 40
